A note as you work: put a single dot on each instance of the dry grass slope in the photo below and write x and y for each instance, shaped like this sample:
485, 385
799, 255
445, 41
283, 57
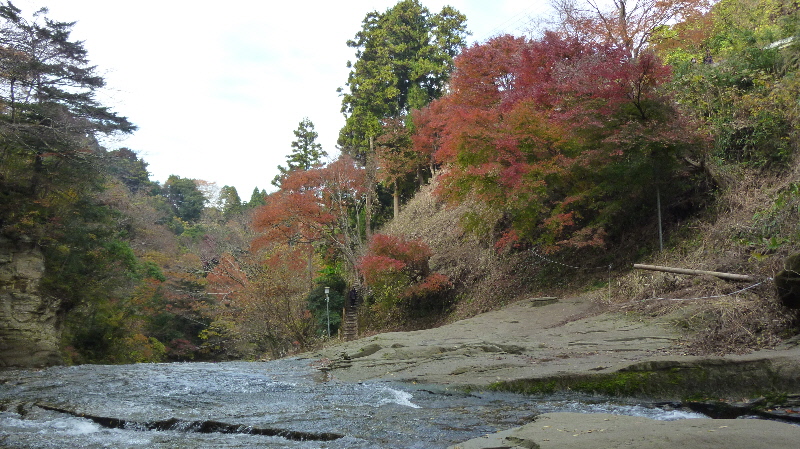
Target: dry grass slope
483, 279
753, 226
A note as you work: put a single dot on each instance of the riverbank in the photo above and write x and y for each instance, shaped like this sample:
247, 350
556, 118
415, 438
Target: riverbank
540, 345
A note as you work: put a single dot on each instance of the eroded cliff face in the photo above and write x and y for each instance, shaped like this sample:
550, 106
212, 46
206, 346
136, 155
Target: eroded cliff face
29, 324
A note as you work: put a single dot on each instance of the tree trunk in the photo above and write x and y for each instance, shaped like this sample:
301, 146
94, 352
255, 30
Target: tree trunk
370, 168
396, 200
660, 229
310, 267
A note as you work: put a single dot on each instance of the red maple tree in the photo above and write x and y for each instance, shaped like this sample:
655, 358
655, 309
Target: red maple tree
556, 134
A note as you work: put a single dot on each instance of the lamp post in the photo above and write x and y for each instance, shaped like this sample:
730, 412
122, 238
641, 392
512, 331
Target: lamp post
328, 309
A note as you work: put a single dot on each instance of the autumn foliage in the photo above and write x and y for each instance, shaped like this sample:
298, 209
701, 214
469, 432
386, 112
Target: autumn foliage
397, 272
314, 205
558, 137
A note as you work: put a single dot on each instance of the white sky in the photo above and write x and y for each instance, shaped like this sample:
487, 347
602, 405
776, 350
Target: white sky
216, 88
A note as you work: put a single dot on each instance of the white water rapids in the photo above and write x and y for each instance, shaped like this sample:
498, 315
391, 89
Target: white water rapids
281, 404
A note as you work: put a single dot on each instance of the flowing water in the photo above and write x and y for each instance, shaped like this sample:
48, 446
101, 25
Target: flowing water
279, 404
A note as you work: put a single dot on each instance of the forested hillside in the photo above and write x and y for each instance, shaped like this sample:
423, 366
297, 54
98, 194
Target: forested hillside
466, 176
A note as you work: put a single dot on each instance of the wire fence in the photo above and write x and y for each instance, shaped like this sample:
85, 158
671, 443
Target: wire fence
584, 269
597, 268
713, 296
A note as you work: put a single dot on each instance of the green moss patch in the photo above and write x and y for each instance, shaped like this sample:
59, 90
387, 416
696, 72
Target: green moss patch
667, 381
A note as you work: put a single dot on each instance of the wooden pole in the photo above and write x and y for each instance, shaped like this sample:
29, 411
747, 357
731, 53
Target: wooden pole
660, 231
369, 165
728, 276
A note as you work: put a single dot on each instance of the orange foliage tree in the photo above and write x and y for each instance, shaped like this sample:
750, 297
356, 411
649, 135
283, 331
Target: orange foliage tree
317, 206
262, 295
261, 305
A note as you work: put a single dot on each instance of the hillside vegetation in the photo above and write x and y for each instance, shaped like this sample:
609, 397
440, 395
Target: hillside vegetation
469, 176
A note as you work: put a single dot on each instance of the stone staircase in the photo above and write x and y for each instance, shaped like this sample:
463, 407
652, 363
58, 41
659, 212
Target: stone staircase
350, 324
349, 330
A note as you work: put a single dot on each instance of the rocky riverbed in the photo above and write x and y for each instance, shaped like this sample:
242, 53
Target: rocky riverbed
541, 346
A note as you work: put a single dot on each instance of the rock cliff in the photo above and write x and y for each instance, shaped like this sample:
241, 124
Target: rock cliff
29, 323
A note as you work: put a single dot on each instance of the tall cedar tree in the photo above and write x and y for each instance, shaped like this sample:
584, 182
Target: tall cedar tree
403, 61
306, 151
185, 198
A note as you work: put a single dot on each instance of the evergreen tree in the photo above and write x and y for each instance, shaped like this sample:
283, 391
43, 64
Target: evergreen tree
125, 165
185, 198
403, 60
257, 198
48, 93
306, 152
229, 201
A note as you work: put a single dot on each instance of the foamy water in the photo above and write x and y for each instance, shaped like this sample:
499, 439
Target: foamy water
237, 397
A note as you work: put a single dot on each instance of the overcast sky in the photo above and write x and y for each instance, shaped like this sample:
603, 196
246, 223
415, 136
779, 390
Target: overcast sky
216, 88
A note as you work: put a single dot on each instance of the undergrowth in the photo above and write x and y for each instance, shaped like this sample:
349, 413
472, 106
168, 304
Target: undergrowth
750, 227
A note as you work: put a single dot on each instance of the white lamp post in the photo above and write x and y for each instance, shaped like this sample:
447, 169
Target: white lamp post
328, 309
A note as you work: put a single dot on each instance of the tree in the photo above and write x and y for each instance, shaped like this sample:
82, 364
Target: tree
126, 166
229, 201
403, 61
396, 158
48, 93
626, 24
306, 152
186, 200
262, 306
52, 169
316, 206
400, 280
257, 198
559, 138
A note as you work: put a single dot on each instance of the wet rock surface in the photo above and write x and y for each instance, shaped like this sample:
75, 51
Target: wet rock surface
206, 426
578, 431
572, 345
568, 343
785, 408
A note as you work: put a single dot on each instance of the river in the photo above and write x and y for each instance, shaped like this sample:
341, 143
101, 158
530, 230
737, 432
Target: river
278, 404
